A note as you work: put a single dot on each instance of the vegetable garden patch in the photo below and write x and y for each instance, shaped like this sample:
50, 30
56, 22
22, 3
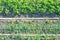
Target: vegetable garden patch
30, 27
12, 37
21, 7
11, 29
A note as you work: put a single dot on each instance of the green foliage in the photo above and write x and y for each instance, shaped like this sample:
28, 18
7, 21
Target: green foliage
18, 37
6, 11
38, 37
1, 9
34, 29
58, 9
42, 27
31, 6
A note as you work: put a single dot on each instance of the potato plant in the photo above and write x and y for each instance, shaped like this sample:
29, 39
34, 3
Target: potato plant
6, 11
1, 9
30, 6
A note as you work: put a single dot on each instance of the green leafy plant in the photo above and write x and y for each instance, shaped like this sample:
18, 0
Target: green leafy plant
38, 37
1, 8
30, 6
6, 11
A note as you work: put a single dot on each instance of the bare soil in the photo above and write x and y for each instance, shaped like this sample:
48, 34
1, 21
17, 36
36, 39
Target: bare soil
29, 15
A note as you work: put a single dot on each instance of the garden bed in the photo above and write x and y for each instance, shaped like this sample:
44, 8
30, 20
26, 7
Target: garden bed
19, 37
29, 8
29, 27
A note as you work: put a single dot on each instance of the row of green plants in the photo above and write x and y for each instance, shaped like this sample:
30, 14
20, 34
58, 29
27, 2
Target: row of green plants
31, 27
29, 6
2, 37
